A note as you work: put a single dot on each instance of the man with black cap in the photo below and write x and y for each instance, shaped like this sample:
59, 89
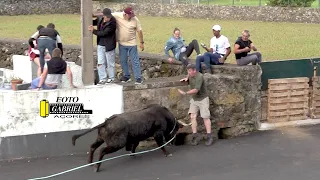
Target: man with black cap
127, 27
106, 44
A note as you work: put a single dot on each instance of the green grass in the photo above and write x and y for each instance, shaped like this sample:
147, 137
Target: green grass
276, 41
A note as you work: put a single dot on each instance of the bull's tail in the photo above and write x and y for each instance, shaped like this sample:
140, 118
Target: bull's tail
75, 137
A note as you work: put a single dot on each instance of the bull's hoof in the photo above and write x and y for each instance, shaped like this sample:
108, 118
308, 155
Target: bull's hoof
168, 155
132, 155
95, 169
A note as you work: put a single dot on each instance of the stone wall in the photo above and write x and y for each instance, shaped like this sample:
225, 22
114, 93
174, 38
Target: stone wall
24, 7
152, 66
234, 92
248, 13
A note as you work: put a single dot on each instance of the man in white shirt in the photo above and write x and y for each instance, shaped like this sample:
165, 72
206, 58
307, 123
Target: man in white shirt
217, 53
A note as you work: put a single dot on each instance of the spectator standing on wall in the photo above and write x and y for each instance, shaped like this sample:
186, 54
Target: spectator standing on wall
106, 41
47, 38
217, 53
53, 71
180, 51
198, 102
242, 47
128, 25
33, 51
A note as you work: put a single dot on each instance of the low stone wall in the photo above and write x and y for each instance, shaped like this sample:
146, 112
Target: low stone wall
152, 65
24, 7
242, 13
234, 92
163, 8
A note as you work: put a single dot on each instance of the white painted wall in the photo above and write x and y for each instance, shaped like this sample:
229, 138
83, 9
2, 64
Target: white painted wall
24, 68
19, 110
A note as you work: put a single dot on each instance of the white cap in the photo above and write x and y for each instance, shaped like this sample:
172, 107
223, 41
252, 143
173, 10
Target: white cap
216, 27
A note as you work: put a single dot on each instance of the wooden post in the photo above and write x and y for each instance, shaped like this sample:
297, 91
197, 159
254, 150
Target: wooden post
86, 43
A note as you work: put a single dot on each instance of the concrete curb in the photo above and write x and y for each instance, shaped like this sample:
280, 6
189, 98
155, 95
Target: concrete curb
272, 126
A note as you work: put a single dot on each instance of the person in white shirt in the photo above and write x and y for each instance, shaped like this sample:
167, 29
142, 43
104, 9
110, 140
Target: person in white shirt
217, 53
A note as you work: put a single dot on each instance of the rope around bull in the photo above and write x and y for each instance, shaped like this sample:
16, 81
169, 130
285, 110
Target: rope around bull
108, 159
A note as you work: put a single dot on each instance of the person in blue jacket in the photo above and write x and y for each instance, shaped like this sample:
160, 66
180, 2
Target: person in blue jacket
181, 52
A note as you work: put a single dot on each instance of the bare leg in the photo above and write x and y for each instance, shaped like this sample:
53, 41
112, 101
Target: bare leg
37, 61
207, 124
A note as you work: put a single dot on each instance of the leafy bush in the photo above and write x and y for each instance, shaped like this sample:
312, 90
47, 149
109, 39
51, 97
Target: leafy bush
290, 3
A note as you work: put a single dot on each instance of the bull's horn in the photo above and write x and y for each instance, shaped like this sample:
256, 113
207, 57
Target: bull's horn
184, 124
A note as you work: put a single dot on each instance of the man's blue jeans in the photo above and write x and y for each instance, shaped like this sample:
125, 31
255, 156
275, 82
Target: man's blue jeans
105, 59
35, 83
134, 56
43, 44
208, 59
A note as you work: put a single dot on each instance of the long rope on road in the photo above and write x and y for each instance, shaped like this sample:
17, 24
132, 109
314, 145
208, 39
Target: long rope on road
108, 159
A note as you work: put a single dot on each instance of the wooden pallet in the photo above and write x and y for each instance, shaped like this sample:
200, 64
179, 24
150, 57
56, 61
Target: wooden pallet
288, 99
315, 98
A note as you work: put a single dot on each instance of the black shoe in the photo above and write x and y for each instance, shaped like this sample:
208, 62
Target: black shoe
195, 139
138, 81
125, 79
209, 140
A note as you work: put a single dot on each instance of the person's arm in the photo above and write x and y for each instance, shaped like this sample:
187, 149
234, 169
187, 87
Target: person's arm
95, 22
237, 49
70, 76
212, 46
105, 31
228, 48
43, 76
252, 46
140, 34
59, 44
167, 48
32, 38
197, 88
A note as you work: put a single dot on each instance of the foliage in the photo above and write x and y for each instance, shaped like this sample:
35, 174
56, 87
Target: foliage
291, 3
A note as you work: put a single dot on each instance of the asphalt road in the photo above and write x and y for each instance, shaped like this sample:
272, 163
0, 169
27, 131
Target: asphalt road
285, 154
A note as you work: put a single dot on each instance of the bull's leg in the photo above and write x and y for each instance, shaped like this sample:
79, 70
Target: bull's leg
93, 147
134, 146
158, 137
104, 151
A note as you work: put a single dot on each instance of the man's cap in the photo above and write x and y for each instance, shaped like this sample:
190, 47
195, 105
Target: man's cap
216, 27
129, 11
191, 66
107, 12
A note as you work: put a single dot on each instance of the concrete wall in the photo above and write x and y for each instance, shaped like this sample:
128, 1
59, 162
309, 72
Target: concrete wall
19, 112
250, 13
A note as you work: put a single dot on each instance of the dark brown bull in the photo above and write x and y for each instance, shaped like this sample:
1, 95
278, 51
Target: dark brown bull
128, 129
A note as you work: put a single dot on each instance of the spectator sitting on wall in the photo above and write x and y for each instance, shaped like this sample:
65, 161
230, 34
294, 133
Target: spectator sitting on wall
33, 51
180, 51
52, 72
218, 52
242, 47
